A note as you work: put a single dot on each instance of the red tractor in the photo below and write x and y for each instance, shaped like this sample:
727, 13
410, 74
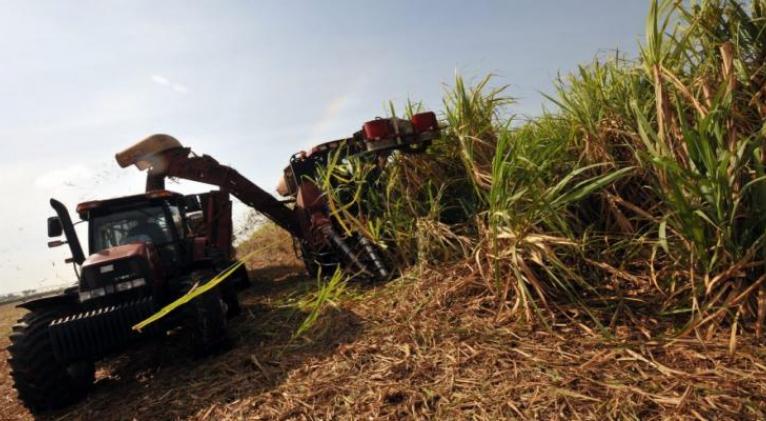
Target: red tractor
147, 250
144, 250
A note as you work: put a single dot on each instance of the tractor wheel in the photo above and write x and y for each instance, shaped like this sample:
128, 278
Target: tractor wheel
41, 381
206, 321
239, 281
312, 267
231, 299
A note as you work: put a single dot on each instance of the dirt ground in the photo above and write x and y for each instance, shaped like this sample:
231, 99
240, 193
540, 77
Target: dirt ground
417, 348
9, 406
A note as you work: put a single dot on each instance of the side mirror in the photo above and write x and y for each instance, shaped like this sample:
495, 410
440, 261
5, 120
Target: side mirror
55, 228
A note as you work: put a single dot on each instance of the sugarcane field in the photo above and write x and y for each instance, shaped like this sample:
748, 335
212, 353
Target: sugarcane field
383, 210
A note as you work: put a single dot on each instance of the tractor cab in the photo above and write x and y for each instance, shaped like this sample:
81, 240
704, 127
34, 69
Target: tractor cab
135, 244
138, 245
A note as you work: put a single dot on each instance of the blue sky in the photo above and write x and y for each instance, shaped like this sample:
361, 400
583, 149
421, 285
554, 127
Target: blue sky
248, 82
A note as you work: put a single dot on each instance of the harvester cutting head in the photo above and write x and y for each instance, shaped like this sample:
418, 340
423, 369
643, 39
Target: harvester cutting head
325, 242
378, 137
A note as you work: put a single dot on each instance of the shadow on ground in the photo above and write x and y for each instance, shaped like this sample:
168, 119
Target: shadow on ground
159, 380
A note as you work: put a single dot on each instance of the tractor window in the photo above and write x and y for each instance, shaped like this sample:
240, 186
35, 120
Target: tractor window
175, 213
145, 224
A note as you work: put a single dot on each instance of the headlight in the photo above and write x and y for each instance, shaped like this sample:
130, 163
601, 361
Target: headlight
119, 287
94, 293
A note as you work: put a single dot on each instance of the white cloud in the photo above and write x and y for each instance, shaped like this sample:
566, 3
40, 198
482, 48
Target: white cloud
160, 80
65, 177
176, 87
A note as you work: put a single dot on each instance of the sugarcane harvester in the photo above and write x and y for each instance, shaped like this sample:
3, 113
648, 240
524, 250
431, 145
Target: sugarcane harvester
149, 251
323, 245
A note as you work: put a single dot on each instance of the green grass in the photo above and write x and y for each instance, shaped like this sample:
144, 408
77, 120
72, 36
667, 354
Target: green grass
645, 179
329, 293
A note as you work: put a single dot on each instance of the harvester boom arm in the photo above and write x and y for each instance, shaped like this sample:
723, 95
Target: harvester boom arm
164, 156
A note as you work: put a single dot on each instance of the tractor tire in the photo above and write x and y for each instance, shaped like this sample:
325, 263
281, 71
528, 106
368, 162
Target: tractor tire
239, 281
311, 265
231, 299
42, 382
206, 320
